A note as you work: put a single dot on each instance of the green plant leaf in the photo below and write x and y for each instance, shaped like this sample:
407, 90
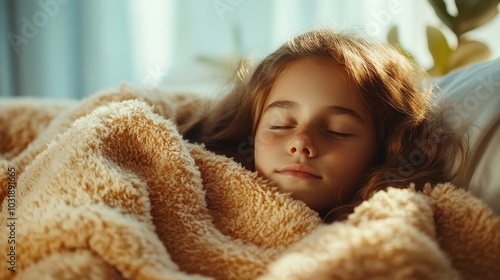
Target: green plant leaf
468, 52
393, 36
439, 49
471, 9
474, 13
393, 39
439, 7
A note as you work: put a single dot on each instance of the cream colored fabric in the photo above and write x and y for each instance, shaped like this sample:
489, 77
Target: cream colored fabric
108, 189
475, 93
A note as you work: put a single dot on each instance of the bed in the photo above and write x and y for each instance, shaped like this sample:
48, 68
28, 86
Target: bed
107, 188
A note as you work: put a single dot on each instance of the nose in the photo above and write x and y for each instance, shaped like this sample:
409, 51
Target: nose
302, 144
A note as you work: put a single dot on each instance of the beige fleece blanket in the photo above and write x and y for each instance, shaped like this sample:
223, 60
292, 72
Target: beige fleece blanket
106, 188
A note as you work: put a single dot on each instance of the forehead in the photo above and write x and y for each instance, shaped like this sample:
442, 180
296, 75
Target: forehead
315, 82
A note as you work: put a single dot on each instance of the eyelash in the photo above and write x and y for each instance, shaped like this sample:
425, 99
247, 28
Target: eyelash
338, 134
277, 127
334, 133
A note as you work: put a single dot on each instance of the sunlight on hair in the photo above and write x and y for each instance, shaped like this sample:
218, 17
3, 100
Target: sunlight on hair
243, 70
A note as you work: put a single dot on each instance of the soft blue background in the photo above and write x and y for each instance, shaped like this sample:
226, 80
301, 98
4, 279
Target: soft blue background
83, 46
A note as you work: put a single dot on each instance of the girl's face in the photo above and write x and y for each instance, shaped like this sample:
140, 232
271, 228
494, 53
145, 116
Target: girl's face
314, 138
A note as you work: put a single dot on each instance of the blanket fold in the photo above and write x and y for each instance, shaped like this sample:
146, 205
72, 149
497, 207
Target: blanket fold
107, 188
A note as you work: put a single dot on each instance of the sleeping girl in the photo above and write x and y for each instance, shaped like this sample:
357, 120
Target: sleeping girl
332, 118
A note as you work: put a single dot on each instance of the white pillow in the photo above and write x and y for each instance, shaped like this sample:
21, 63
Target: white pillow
475, 90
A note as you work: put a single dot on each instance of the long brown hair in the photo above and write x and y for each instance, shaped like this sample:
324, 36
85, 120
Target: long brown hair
414, 142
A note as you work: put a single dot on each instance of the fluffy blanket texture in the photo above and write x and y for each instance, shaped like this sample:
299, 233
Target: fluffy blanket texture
106, 188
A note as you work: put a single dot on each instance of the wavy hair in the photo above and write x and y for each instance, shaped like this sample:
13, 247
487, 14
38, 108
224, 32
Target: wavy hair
415, 144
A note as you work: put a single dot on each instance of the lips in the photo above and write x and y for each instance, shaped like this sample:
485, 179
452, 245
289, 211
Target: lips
300, 171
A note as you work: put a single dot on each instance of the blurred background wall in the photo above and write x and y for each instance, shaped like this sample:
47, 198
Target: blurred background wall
72, 48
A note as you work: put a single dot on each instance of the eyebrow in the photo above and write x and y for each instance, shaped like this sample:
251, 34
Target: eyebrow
337, 110
282, 104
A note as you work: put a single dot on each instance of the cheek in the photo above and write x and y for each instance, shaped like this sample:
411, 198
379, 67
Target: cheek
261, 144
361, 164
265, 147
350, 161
270, 141
366, 154
262, 139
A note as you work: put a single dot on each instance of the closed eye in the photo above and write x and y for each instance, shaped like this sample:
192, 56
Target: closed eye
339, 134
280, 127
